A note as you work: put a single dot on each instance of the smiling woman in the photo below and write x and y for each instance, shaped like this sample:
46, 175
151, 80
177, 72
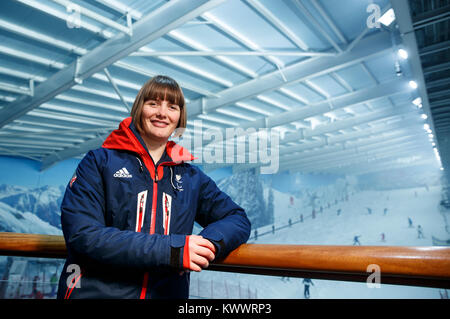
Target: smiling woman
160, 114
159, 119
123, 198
160, 88
157, 111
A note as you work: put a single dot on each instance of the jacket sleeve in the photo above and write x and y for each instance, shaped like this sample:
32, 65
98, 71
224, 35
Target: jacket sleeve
225, 223
87, 236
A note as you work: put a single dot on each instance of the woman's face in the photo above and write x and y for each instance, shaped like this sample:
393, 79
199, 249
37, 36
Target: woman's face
160, 119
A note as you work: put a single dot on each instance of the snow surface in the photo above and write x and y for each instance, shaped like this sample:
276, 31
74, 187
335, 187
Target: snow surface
329, 228
44, 202
12, 220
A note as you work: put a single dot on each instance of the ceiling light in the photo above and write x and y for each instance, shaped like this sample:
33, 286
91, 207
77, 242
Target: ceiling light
417, 101
388, 17
413, 84
424, 116
314, 122
426, 126
402, 54
430, 135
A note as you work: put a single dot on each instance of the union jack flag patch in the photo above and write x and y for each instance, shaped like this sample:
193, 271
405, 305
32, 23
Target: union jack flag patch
72, 180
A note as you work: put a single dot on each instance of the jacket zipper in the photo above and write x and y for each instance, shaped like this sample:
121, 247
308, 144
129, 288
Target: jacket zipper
166, 210
155, 198
153, 222
152, 227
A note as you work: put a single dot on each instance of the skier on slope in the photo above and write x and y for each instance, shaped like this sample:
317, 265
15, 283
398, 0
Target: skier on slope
307, 282
54, 284
356, 240
420, 232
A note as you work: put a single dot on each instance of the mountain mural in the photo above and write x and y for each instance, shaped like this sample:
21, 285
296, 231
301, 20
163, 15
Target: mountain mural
28, 210
246, 189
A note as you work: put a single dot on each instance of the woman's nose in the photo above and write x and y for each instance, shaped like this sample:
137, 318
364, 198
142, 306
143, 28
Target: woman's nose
162, 110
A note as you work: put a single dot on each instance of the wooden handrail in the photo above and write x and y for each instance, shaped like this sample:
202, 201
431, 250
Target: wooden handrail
415, 266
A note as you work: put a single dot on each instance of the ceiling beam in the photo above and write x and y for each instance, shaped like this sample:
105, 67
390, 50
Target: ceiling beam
434, 48
368, 47
436, 68
431, 17
72, 151
349, 164
357, 97
354, 166
375, 144
354, 158
361, 143
437, 83
370, 168
406, 111
406, 123
171, 15
287, 52
404, 126
399, 158
278, 24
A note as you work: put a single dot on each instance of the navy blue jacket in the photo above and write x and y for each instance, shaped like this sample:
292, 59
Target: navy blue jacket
126, 220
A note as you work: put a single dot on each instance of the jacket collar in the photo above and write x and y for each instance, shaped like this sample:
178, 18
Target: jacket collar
126, 137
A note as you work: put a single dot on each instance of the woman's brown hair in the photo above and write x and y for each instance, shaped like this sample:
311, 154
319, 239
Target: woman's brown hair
160, 88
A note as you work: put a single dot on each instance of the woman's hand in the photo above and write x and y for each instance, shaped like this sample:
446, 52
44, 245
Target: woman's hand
201, 253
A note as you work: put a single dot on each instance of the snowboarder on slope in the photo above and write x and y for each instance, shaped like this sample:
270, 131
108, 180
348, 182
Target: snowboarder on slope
356, 240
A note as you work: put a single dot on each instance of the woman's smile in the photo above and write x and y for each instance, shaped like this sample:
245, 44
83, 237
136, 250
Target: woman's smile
159, 123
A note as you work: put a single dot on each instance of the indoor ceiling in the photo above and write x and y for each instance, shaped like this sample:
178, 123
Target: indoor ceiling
345, 92
431, 23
